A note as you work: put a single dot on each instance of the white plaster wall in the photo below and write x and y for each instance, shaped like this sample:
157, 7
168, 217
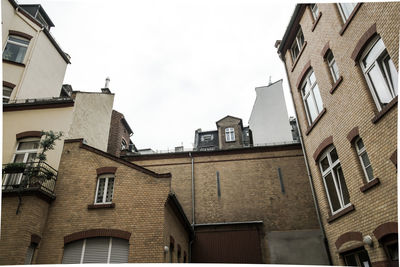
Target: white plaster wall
269, 120
92, 118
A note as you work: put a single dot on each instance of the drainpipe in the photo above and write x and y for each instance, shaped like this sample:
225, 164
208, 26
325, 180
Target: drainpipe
193, 218
308, 169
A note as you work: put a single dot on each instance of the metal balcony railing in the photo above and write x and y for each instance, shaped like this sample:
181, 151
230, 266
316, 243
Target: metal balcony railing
28, 176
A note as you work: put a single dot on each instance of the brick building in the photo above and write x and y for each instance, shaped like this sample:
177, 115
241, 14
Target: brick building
342, 65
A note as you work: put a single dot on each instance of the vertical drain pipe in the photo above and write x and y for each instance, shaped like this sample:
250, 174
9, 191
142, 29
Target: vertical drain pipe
193, 218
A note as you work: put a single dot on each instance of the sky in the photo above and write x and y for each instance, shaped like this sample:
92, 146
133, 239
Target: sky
175, 66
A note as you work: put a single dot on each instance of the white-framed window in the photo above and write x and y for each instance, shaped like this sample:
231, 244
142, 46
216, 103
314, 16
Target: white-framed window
314, 11
123, 144
16, 48
357, 258
332, 66
96, 250
104, 189
346, 9
311, 97
380, 73
7, 91
334, 182
297, 45
30, 253
364, 159
229, 134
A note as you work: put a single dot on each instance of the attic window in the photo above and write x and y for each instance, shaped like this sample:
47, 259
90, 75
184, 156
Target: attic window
207, 137
229, 134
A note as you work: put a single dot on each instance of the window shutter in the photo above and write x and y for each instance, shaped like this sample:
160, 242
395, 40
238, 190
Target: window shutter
119, 251
96, 250
72, 252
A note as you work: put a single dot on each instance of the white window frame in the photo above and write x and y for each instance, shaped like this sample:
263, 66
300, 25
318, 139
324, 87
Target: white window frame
308, 89
391, 87
6, 98
314, 10
123, 144
331, 64
360, 153
20, 42
298, 42
230, 134
106, 177
346, 6
329, 170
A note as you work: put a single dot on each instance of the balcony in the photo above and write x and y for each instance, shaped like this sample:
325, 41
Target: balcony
28, 178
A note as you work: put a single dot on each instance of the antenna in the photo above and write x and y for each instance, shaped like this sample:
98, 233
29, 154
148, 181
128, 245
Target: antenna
107, 85
269, 83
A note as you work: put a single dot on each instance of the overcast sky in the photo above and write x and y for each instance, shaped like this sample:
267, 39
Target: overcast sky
175, 66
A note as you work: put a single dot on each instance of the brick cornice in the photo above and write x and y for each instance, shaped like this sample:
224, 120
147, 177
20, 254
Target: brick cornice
393, 158
95, 233
325, 50
324, 144
346, 237
306, 68
20, 34
385, 229
106, 170
9, 85
28, 134
365, 38
353, 134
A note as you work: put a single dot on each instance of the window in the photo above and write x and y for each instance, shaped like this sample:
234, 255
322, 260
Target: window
357, 258
206, 137
365, 163
391, 247
346, 9
297, 45
311, 97
105, 188
380, 73
6, 94
96, 250
335, 185
15, 49
30, 253
314, 11
332, 66
229, 134
123, 144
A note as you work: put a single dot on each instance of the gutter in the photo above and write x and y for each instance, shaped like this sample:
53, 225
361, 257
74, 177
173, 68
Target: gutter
193, 219
317, 209
228, 223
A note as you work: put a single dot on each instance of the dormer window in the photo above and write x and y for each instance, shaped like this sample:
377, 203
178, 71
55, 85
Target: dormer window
16, 48
229, 134
297, 45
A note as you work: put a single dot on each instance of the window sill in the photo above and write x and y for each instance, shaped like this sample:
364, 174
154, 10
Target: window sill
315, 121
316, 22
384, 111
13, 62
369, 185
298, 57
336, 85
349, 19
101, 206
341, 213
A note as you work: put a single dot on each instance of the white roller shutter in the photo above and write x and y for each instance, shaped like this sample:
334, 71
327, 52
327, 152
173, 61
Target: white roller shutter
96, 250
73, 252
119, 251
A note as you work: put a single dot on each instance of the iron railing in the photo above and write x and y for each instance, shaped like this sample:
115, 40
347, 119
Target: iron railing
28, 176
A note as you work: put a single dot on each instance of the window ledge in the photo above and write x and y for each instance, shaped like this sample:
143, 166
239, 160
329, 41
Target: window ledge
315, 121
370, 185
101, 206
350, 18
341, 213
336, 85
13, 62
316, 21
298, 57
385, 110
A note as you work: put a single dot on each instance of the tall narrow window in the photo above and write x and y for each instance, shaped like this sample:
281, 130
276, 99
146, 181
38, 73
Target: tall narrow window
229, 134
6, 94
15, 49
30, 253
380, 73
297, 45
311, 97
364, 159
105, 188
335, 185
333, 68
123, 144
314, 11
346, 9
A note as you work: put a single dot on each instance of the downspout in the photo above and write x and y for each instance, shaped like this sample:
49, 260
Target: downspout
193, 218
308, 168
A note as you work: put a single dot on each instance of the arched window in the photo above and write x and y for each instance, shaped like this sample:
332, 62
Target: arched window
96, 250
335, 184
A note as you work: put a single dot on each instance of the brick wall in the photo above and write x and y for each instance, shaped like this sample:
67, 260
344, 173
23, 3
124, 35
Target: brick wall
350, 105
117, 132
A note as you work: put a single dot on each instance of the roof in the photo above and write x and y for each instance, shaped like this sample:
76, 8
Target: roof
228, 116
32, 9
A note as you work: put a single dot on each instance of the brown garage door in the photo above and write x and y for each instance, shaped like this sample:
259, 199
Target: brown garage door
221, 245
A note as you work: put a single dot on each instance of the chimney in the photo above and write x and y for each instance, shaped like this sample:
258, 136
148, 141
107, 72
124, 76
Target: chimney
106, 89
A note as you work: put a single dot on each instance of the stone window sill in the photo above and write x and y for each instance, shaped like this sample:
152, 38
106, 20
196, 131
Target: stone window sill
341, 213
101, 206
317, 119
316, 22
369, 185
384, 111
13, 63
298, 57
350, 18
336, 85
